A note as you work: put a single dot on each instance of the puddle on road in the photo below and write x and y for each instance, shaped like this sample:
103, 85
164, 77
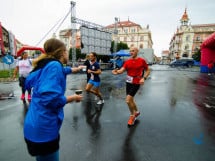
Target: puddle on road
203, 94
6, 91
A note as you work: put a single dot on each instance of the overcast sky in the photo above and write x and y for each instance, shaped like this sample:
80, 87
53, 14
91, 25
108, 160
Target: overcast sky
30, 20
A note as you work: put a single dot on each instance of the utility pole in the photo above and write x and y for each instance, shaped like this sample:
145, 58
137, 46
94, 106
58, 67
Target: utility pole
73, 32
115, 39
115, 34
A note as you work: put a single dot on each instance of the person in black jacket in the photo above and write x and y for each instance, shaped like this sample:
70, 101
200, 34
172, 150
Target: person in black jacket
87, 64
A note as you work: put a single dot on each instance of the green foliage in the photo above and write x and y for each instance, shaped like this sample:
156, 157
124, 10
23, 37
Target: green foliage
197, 55
120, 46
6, 73
79, 55
36, 53
70, 54
112, 47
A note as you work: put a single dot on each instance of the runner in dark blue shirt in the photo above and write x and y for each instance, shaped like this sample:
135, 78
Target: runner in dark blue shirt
94, 81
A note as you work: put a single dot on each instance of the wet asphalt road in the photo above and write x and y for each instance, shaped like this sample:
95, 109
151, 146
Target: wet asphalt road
177, 121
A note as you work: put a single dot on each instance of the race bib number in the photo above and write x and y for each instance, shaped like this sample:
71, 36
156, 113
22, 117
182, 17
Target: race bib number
129, 79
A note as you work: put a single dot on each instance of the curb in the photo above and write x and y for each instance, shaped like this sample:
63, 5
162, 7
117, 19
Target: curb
7, 80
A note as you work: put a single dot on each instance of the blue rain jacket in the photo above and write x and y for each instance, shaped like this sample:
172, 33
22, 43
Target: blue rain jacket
45, 115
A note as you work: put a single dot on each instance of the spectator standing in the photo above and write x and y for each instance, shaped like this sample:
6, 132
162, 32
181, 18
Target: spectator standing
45, 115
23, 67
87, 64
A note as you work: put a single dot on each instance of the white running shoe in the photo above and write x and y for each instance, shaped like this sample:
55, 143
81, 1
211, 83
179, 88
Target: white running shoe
100, 102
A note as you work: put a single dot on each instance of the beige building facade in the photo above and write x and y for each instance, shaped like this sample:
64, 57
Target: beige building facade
66, 36
127, 32
131, 33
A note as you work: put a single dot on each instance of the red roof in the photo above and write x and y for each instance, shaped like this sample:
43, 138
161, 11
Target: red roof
185, 16
203, 25
165, 52
123, 24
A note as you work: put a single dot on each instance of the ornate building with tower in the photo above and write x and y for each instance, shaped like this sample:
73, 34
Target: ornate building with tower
188, 38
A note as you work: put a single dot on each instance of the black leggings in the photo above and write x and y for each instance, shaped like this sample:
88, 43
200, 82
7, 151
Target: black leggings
22, 85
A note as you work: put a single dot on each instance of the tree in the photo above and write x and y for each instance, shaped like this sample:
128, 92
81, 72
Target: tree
120, 46
197, 55
78, 54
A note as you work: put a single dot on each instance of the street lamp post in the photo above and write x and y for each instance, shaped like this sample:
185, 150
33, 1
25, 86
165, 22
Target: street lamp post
115, 34
115, 39
73, 32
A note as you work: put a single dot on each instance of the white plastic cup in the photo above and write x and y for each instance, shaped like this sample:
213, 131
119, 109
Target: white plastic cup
84, 68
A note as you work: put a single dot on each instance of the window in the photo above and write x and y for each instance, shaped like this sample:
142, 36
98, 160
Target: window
186, 47
141, 46
133, 30
198, 38
126, 31
196, 48
188, 38
125, 39
132, 38
141, 38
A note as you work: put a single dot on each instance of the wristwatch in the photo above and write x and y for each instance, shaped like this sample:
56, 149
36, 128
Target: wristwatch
145, 78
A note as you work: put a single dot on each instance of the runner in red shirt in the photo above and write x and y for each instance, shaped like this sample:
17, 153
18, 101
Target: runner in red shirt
135, 67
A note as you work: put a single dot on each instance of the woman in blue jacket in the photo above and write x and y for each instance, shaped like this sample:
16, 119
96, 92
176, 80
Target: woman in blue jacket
45, 115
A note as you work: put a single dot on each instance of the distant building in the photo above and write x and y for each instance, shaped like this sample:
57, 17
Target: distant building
127, 32
165, 57
66, 36
148, 55
12, 42
188, 38
132, 34
8, 43
4, 40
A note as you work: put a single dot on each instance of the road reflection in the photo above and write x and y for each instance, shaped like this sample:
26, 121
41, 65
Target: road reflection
204, 97
204, 100
128, 148
25, 106
93, 113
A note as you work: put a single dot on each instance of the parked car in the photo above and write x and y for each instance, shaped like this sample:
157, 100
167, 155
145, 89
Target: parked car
182, 63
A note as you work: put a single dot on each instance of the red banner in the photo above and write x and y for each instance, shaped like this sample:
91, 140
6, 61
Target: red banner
19, 52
